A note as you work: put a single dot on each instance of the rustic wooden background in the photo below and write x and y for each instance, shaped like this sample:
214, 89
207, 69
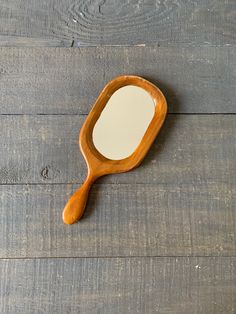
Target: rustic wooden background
160, 239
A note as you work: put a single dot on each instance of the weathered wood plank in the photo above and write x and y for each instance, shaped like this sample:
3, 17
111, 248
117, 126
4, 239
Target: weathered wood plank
54, 80
121, 22
191, 149
121, 220
16, 41
137, 285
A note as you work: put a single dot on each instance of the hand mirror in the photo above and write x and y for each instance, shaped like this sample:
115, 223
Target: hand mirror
117, 133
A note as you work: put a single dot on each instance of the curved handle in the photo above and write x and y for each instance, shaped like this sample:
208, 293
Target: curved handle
75, 207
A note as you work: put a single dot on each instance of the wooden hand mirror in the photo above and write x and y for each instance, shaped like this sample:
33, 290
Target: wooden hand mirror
117, 133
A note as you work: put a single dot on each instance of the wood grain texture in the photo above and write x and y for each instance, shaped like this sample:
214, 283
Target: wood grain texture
191, 219
68, 81
16, 41
87, 286
190, 149
103, 22
180, 202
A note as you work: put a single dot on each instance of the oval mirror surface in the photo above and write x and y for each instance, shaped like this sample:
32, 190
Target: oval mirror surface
123, 122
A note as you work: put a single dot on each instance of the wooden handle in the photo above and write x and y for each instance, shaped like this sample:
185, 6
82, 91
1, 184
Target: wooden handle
75, 207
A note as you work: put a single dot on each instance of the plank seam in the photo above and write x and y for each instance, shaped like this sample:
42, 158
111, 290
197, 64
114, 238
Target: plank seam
121, 257
85, 114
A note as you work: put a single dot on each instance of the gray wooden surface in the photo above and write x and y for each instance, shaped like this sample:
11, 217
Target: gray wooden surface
118, 285
191, 149
68, 81
159, 239
112, 22
165, 219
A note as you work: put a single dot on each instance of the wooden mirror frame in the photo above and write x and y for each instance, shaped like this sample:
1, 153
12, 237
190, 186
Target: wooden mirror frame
97, 164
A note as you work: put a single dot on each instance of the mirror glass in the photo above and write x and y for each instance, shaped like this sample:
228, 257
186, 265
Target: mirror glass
123, 122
